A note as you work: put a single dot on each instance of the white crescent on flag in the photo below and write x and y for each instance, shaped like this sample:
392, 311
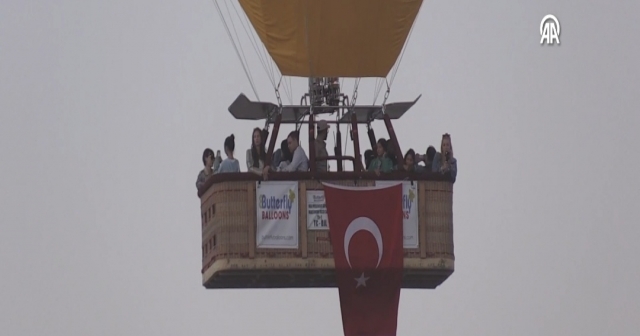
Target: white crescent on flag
366, 224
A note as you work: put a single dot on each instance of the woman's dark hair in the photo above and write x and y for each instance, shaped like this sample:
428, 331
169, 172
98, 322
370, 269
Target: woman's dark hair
431, 153
391, 153
368, 157
410, 152
383, 143
207, 152
262, 155
286, 153
230, 142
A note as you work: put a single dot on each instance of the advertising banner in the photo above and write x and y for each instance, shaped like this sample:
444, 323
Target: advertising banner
409, 210
316, 211
277, 214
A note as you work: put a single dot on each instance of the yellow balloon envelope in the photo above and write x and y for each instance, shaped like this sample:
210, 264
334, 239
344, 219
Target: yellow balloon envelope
333, 38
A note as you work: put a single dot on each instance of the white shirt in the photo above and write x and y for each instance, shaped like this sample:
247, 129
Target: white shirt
300, 162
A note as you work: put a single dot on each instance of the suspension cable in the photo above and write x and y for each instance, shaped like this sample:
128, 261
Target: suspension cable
240, 44
268, 65
262, 56
287, 88
236, 49
355, 91
404, 48
377, 89
278, 93
394, 71
354, 98
386, 95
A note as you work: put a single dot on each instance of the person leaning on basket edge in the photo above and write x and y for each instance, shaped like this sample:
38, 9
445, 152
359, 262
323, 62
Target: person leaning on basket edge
230, 164
299, 162
445, 162
256, 155
280, 155
381, 163
211, 164
427, 159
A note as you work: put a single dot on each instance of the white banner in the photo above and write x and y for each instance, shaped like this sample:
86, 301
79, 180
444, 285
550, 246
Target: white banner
277, 214
317, 218
409, 210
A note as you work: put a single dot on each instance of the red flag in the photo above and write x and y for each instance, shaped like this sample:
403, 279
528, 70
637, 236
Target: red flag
365, 225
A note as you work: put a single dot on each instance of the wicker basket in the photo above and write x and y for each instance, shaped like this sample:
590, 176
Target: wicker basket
231, 259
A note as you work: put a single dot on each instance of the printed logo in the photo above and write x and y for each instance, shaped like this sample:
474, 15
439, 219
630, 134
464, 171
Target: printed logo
277, 207
407, 203
549, 30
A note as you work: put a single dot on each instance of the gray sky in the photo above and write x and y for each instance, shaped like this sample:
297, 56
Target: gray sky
105, 108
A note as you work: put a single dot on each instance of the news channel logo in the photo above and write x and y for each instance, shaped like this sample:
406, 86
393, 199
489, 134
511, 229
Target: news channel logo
550, 30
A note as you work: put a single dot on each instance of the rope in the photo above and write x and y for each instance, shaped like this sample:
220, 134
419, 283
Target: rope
238, 37
287, 88
240, 45
236, 49
355, 91
377, 89
404, 48
394, 70
356, 84
262, 56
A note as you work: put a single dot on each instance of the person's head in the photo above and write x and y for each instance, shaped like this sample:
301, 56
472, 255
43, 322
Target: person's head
256, 138
445, 146
391, 152
410, 158
257, 147
368, 157
207, 158
381, 147
431, 153
323, 129
230, 144
286, 154
293, 141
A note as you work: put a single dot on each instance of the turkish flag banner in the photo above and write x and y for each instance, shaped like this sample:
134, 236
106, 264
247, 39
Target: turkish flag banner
366, 235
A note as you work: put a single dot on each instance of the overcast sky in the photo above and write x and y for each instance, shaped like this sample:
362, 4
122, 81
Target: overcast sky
106, 106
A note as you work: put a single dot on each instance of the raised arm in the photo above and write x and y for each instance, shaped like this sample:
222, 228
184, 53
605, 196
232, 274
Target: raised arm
216, 163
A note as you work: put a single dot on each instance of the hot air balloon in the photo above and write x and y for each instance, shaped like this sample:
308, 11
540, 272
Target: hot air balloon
272, 233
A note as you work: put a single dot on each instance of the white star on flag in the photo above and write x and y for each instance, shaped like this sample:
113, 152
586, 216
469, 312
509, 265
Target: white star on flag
362, 281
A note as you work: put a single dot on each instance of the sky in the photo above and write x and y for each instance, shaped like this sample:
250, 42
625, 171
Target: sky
106, 107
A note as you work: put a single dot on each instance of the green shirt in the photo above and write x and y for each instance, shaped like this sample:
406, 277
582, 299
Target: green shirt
384, 165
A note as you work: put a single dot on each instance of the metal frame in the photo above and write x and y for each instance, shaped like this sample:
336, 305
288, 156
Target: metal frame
244, 109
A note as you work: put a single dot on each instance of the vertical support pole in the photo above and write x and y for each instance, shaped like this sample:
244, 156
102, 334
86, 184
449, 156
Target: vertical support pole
357, 165
394, 141
423, 217
251, 193
272, 141
265, 136
312, 144
372, 139
302, 211
338, 147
